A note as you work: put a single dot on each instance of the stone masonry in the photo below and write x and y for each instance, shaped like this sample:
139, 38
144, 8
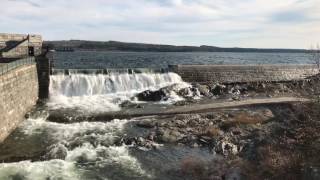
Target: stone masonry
18, 94
19, 45
243, 73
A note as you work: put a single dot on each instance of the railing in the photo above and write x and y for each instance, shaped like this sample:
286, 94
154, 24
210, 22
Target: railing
6, 67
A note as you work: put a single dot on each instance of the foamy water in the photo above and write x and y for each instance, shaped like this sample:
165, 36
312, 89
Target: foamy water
94, 149
103, 93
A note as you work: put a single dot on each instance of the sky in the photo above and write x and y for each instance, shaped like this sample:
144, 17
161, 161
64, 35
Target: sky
224, 23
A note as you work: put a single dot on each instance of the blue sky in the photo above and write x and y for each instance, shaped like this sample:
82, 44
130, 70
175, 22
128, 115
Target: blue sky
226, 23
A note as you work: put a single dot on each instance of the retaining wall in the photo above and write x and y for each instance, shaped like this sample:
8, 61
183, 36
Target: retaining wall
18, 45
242, 73
18, 94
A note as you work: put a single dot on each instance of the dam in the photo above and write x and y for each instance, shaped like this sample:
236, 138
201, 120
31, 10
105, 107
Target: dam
137, 123
24, 76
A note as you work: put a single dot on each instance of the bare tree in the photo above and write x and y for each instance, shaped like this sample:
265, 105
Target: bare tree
315, 55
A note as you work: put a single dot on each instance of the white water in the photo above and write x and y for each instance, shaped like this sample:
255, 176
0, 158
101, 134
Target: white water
102, 93
97, 153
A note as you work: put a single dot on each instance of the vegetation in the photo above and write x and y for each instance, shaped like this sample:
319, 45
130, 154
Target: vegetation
140, 47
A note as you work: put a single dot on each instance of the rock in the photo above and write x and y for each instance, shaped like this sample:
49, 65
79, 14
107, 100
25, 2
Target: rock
217, 89
203, 89
236, 98
187, 117
146, 124
181, 103
267, 113
168, 136
185, 92
226, 148
195, 145
129, 104
152, 95
57, 151
235, 91
141, 141
151, 136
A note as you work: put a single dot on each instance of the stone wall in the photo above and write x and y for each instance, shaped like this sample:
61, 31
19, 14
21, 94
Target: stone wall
242, 73
18, 94
20, 42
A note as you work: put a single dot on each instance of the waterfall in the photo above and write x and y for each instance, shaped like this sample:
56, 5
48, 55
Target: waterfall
97, 84
105, 91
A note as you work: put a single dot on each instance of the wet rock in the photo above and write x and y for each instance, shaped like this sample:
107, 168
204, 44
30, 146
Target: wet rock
236, 98
57, 151
203, 89
226, 148
217, 89
187, 117
169, 136
195, 145
152, 95
182, 103
129, 104
146, 124
267, 113
185, 92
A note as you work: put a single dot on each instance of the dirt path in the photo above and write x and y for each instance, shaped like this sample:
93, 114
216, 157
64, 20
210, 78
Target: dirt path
193, 108
230, 104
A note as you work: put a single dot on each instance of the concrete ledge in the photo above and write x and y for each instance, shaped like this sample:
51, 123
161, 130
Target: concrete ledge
243, 73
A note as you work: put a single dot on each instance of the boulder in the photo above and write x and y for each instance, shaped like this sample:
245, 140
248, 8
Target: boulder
146, 124
168, 136
217, 89
129, 104
203, 89
57, 151
148, 95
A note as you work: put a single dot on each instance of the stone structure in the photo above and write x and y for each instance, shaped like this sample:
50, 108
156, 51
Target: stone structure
243, 73
44, 71
19, 82
18, 94
19, 45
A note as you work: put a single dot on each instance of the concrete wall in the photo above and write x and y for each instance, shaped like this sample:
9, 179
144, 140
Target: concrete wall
21, 50
242, 73
18, 94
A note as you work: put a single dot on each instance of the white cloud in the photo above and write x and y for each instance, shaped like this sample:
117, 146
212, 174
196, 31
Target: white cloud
245, 23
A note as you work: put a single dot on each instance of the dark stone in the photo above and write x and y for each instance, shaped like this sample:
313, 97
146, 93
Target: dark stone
203, 89
148, 95
217, 89
129, 104
146, 124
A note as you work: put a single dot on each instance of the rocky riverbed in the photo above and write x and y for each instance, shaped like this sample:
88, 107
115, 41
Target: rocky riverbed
266, 142
144, 140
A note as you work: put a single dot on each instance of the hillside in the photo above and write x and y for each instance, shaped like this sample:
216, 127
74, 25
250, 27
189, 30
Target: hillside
140, 47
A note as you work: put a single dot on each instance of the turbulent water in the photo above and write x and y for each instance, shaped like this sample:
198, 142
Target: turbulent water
40, 149
87, 150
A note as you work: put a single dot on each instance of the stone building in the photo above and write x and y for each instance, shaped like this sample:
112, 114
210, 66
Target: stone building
19, 46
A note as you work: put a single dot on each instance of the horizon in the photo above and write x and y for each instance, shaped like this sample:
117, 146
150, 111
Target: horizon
289, 24
172, 44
